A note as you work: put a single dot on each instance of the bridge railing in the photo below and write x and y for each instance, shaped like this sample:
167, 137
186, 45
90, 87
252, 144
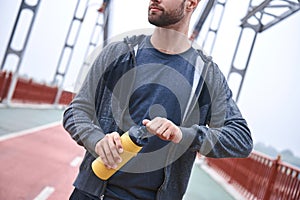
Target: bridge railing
29, 91
259, 176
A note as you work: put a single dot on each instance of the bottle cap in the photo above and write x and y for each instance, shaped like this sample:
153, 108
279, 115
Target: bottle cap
139, 135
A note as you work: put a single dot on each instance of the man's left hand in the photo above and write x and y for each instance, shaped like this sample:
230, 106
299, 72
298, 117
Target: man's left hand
164, 129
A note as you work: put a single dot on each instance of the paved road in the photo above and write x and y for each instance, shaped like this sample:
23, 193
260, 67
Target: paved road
37, 163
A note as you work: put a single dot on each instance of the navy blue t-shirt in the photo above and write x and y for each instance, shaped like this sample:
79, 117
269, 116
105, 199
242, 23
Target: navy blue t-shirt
162, 88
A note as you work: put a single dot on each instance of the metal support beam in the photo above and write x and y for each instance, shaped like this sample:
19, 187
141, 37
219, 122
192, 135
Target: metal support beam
211, 34
19, 53
259, 18
69, 48
203, 16
94, 42
100, 28
272, 11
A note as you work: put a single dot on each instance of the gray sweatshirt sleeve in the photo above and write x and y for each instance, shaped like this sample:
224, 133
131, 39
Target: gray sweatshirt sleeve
80, 118
227, 133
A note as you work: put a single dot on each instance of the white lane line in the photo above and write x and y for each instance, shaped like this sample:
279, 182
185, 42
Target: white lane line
45, 193
75, 162
28, 131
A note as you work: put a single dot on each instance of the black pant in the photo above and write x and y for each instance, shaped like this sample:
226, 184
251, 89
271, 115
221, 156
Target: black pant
80, 195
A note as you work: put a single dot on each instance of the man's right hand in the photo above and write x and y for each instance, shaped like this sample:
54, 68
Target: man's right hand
109, 149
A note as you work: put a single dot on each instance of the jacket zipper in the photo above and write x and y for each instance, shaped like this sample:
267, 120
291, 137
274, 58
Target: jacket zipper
164, 182
103, 190
168, 164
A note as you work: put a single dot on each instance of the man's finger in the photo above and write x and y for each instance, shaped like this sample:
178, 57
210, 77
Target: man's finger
118, 143
109, 155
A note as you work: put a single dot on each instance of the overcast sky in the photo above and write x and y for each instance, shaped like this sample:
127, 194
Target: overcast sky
270, 96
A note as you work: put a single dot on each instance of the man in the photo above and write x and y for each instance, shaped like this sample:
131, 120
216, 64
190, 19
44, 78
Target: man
160, 82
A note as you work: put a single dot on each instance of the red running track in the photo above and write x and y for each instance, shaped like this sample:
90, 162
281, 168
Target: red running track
34, 162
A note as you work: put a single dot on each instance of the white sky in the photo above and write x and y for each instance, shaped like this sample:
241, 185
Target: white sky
270, 96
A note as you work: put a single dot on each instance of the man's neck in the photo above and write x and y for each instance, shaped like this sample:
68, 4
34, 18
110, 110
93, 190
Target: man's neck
170, 41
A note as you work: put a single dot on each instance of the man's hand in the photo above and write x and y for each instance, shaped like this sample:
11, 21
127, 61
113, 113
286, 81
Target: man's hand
109, 149
164, 129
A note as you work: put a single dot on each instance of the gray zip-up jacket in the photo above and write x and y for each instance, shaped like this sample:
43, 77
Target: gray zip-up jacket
213, 124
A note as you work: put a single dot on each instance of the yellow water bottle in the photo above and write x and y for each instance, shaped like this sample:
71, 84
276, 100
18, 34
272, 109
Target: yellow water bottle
132, 142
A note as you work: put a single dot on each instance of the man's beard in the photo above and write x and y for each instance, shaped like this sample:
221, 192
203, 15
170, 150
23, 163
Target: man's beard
168, 18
